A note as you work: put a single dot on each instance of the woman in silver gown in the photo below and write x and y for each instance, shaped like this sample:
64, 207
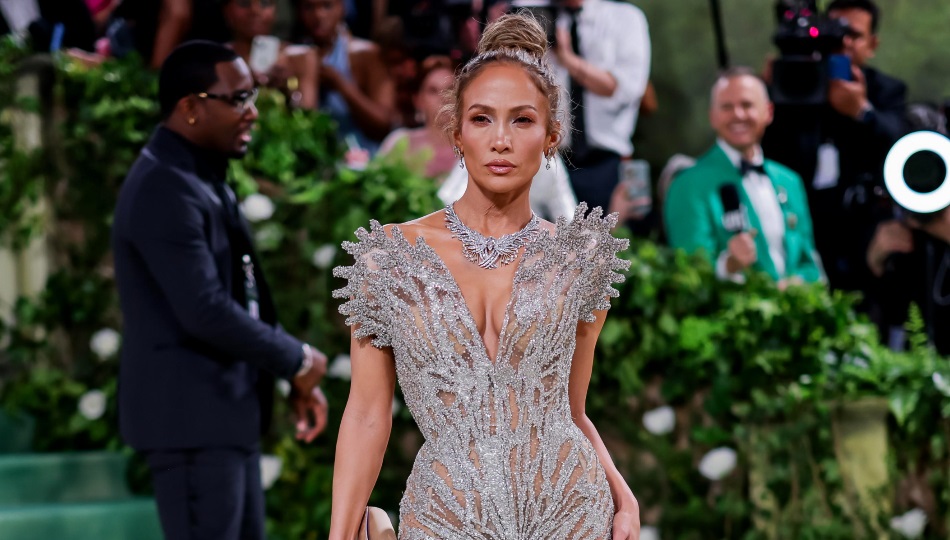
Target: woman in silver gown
488, 316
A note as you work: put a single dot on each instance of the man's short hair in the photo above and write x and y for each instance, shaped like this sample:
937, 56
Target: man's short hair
735, 72
189, 69
863, 5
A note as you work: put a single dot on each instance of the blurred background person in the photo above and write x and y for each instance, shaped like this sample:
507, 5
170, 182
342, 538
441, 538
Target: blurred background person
738, 208
435, 78
293, 68
16, 16
602, 56
839, 148
910, 256
355, 86
910, 259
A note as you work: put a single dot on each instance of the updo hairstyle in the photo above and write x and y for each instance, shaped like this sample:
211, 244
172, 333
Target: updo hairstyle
514, 38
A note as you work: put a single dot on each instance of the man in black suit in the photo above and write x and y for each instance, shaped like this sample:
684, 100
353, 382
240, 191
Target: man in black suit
839, 149
201, 341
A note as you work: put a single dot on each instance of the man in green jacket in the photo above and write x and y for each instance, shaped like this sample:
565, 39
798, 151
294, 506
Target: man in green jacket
769, 230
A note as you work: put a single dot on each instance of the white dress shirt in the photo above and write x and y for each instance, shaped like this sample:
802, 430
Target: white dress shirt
613, 36
551, 194
761, 192
19, 14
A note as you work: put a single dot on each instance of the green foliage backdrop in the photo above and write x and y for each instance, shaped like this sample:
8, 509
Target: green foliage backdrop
749, 370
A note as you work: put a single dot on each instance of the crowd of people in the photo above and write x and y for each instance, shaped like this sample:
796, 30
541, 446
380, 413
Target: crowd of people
813, 203
380, 70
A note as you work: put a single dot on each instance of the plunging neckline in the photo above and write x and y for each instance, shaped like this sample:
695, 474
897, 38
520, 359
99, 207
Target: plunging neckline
526, 251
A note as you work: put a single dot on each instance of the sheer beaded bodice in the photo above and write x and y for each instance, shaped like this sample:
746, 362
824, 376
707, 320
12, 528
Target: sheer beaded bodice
502, 458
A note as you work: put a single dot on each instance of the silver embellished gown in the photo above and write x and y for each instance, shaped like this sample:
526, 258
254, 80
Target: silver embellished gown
502, 459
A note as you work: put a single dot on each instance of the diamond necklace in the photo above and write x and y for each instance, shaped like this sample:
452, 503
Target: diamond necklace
487, 251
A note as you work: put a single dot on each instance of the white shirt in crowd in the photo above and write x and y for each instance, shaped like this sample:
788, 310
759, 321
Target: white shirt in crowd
761, 192
551, 195
19, 14
613, 36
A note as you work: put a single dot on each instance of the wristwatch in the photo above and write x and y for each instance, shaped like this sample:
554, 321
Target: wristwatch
307, 362
867, 111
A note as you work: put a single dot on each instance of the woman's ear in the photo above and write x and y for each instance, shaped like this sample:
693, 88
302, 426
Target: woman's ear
554, 139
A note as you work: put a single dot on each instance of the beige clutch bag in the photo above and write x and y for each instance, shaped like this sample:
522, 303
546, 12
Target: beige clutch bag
376, 525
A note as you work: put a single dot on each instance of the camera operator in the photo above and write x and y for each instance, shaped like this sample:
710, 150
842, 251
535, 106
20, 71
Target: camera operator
910, 256
911, 259
839, 147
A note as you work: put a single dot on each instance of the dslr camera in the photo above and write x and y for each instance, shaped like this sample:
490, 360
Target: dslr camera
809, 44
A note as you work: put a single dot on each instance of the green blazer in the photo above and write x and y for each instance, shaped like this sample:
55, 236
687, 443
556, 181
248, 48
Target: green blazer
693, 215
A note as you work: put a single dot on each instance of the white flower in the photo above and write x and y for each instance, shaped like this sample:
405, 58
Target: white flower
911, 524
268, 236
270, 470
660, 421
717, 463
649, 533
323, 256
397, 405
856, 361
257, 207
830, 358
283, 387
941, 384
92, 404
340, 367
105, 343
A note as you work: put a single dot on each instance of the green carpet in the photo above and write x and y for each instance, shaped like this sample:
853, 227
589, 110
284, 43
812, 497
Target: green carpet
71, 496
132, 519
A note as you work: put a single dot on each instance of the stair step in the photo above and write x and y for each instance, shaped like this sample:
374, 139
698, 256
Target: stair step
111, 520
16, 432
62, 478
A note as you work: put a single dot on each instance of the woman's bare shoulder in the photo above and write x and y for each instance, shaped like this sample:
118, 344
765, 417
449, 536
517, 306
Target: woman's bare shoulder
362, 46
430, 227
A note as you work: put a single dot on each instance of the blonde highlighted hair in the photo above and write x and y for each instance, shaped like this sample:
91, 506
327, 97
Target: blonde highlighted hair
515, 38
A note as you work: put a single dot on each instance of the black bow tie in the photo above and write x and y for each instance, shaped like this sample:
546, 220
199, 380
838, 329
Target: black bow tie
745, 167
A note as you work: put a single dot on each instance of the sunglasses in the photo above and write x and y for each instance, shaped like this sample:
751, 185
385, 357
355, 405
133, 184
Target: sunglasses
241, 100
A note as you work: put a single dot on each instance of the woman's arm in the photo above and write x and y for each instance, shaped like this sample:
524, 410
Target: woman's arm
371, 96
627, 518
364, 433
305, 65
174, 20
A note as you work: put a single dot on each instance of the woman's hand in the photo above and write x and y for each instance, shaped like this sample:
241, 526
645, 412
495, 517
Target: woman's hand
627, 521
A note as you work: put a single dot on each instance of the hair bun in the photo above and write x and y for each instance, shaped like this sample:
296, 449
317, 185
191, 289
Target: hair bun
514, 31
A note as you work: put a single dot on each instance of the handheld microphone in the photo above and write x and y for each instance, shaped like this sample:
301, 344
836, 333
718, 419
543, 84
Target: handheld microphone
733, 217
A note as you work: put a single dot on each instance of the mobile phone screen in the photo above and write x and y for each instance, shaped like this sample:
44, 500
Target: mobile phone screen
264, 52
839, 67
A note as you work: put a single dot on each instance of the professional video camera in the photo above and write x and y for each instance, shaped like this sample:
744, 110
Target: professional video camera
807, 42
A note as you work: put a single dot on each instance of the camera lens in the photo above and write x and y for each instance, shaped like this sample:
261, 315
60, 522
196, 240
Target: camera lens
924, 171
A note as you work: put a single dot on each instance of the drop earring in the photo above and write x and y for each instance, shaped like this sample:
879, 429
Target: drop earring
461, 156
549, 154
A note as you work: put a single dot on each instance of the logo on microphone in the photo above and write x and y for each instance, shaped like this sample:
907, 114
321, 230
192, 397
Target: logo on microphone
734, 221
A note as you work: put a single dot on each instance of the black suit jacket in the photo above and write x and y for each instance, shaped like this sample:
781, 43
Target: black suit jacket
921, 277
845, 215
195, 366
